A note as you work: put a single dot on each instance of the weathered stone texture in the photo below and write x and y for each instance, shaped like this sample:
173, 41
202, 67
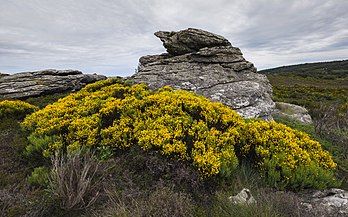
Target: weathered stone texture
31, 84
209, 65
329, 202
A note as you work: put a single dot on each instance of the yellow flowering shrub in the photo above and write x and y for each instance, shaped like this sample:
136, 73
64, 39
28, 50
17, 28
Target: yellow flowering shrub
286, 157
16, 108
114, 115
109, 115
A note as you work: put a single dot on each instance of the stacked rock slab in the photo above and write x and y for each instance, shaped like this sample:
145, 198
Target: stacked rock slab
209, 65
32, 84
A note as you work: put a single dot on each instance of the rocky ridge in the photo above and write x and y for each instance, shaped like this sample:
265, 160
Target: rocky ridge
206, 63
32, 84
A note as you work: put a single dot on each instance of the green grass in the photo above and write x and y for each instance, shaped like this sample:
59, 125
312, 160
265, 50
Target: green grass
308, 93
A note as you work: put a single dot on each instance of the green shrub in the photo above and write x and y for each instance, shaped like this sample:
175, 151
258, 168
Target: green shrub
109, 116
39, 177
286, 158
37, 144
334, 141
16, 108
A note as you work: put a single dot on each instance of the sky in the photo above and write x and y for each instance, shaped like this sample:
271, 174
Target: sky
109, 36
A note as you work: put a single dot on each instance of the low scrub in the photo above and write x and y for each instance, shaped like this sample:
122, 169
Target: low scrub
16, 108
113, 115
286, 158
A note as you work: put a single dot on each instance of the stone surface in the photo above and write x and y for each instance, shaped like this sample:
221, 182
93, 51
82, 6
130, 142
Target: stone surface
329, 202
2, 74
189, 40
243, 197
31, 84
292, 111
209, 65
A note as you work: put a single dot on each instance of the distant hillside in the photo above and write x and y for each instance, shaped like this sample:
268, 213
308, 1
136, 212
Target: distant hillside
322, 70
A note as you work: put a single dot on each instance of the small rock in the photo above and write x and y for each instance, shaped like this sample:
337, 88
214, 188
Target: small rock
292, 111
243, 197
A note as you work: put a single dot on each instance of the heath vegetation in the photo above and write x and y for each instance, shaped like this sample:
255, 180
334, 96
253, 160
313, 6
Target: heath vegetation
322, 88
118, 149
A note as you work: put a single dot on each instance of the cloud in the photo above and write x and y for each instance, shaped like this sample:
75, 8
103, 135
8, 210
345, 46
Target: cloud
109, 36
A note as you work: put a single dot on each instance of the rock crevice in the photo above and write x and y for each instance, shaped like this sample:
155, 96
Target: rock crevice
206, 63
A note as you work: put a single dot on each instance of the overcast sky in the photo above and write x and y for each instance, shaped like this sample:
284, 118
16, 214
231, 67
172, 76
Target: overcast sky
109, 36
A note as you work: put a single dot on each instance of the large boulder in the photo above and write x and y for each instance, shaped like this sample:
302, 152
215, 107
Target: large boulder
209, 65
32, 84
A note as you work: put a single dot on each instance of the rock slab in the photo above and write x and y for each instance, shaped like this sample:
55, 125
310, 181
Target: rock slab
206, 63
32, 84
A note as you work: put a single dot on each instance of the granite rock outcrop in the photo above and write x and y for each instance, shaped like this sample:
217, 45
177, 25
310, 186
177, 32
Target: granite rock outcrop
206, 63
32, 84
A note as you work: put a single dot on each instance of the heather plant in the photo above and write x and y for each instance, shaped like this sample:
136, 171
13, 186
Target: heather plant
16, 108
113, 115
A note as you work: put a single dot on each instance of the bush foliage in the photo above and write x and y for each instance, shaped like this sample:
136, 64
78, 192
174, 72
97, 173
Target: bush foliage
285, 157
16, 108
114, 115
322, 88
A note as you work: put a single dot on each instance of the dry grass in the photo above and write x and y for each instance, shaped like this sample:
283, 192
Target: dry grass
164, 202
72, 181
10, 198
